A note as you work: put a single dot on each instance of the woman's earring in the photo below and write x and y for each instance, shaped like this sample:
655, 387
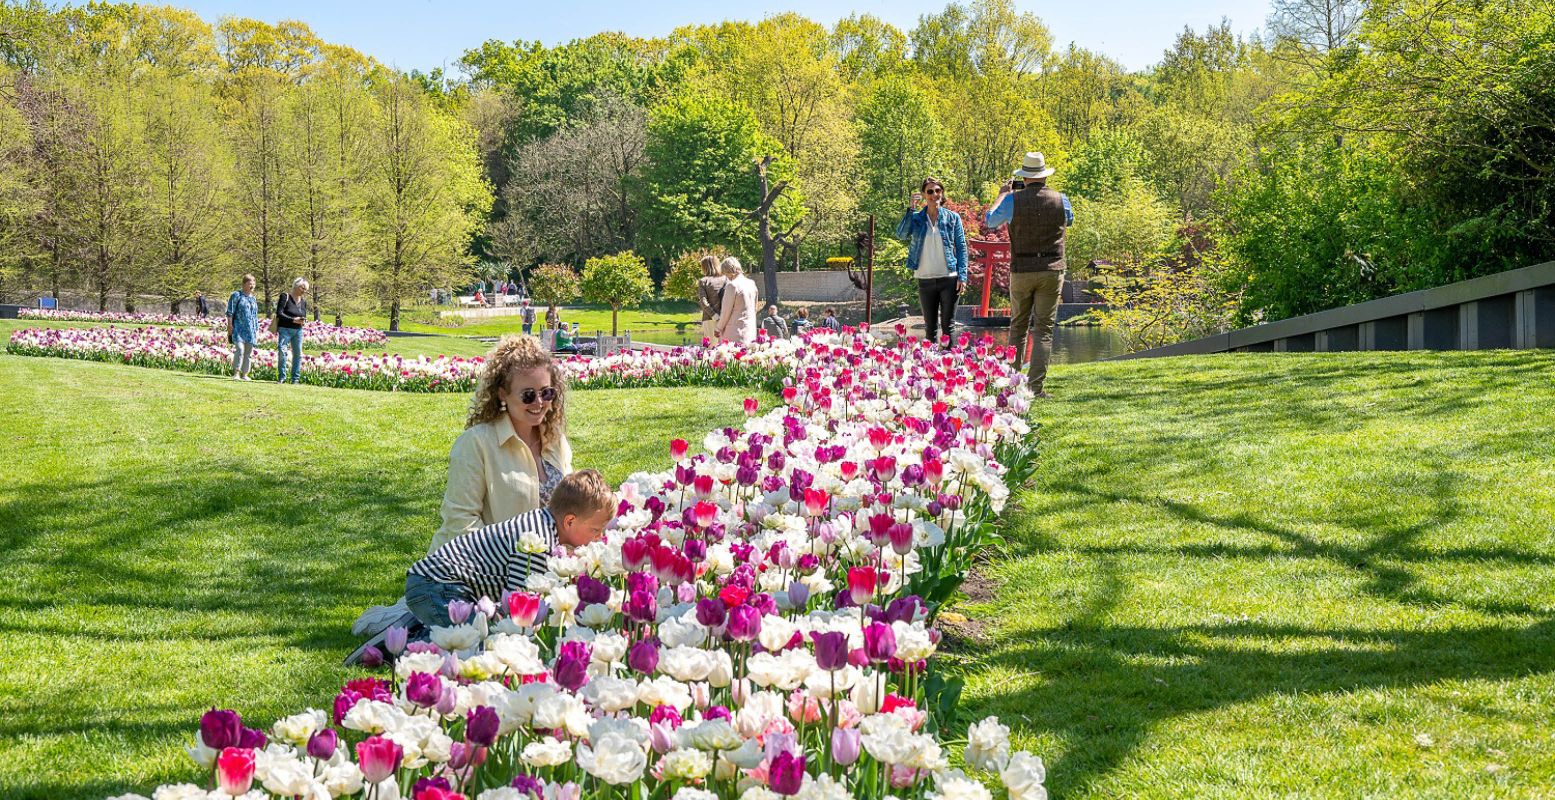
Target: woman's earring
504, 405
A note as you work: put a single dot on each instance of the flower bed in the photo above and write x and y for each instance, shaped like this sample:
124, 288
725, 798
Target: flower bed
317, 334
757, 623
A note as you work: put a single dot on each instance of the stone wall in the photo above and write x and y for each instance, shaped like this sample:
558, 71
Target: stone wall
820, 286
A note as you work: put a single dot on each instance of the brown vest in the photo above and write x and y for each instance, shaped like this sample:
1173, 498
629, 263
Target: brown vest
1037, 231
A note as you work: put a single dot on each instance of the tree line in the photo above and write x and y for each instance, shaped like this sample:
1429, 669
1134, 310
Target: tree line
147, 152
1351, 150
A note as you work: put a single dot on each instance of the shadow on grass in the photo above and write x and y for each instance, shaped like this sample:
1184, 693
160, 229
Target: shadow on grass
1104, 688
1123, 697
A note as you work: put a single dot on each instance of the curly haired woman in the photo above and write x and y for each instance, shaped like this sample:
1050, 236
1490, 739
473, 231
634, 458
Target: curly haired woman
514, 447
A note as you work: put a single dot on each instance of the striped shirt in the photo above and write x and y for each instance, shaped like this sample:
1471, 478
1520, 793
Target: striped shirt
487, 562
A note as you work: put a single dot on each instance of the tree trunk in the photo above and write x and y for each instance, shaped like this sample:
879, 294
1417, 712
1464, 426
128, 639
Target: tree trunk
615, 312
394, 314
764, 233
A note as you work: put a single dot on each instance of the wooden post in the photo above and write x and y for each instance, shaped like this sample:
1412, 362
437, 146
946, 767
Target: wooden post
869, 275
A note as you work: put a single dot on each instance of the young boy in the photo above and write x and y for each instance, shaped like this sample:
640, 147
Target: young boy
489, 562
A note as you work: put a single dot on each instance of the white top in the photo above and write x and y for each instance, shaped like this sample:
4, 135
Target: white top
931, 259
492, 476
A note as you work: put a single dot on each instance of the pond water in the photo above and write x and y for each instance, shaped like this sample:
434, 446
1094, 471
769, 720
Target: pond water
1073, 344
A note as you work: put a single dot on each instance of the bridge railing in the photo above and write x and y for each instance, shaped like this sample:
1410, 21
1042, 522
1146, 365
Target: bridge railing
1513, 309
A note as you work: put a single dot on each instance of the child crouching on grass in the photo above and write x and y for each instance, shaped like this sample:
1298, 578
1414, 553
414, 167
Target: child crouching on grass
497, 559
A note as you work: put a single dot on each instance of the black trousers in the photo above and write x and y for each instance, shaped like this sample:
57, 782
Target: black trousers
937, 298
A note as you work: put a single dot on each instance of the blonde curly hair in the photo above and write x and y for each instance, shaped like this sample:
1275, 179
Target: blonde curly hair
517, 352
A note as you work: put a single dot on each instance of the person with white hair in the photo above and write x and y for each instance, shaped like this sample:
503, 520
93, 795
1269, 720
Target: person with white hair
737, 318
291, 311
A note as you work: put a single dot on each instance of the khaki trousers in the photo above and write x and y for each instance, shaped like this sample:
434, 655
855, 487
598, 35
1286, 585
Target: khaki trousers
1034, 306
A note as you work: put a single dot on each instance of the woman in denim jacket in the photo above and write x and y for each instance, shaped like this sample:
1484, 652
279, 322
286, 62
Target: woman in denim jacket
936, 256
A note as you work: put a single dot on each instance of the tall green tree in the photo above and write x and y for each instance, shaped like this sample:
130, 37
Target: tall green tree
901, 143
426, 194
699, 185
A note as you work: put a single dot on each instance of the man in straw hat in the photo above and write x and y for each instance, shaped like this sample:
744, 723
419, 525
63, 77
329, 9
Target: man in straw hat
1037, 217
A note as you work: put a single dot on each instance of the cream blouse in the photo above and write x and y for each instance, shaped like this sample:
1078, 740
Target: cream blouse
492, 476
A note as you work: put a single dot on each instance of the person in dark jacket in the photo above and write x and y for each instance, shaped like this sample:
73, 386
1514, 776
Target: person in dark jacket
291, 311
775, 326
200, 306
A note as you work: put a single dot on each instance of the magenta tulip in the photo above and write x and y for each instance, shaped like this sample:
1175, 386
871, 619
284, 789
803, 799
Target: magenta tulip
879, 642
424, 689
785, 773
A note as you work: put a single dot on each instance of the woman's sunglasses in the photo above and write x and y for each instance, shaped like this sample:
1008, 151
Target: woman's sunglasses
528, 396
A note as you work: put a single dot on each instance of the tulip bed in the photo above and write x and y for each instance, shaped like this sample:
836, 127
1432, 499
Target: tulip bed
758, 622
204, 351
314, 334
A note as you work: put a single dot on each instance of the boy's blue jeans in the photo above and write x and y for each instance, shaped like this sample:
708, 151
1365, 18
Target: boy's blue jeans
428, 599
288, 337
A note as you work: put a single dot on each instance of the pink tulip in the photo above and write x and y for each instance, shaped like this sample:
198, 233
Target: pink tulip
751, 406
705, 513
861, 584
235, 770
522, 608
815, 502
678, 448
378, 758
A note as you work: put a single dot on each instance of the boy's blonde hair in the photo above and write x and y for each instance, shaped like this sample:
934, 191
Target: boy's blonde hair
582, 493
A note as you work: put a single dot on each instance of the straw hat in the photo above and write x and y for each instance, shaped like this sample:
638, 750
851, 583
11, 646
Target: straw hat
1034, 165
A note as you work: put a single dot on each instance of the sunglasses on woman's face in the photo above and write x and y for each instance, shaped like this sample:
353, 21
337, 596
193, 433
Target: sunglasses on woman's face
528, 396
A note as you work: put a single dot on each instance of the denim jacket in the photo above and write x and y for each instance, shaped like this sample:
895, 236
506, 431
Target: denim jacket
915, 225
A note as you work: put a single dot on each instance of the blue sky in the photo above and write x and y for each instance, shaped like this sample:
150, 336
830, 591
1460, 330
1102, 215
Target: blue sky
422, 34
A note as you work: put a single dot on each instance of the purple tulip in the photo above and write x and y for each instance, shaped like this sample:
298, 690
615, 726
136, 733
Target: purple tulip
764, 603
746, 476
798, 594
445, 707
643, 657
219, 729
744, 623
879, 642
785, 774
424, 689
372, 657
661, 737
396, 638
459, 611
528, 785
322, 745
486, 606
590, 591
252, 739
718, 712
424, 784
903, 609
831, 650
912, 475
775, 461
642, 606
711, 612
572, 666
655, 507
695, 549
480, 727
845, 745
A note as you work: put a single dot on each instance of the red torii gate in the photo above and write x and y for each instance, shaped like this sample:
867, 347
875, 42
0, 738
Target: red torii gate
990, 255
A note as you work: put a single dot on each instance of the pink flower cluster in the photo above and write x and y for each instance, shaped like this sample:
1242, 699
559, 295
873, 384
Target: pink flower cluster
206, 350
318, 334
757, 622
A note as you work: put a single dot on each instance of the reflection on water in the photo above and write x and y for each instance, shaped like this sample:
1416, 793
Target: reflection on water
1072, 344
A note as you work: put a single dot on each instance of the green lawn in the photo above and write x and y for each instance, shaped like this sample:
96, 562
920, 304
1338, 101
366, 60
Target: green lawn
175, 541
1239, 576
1283, 576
